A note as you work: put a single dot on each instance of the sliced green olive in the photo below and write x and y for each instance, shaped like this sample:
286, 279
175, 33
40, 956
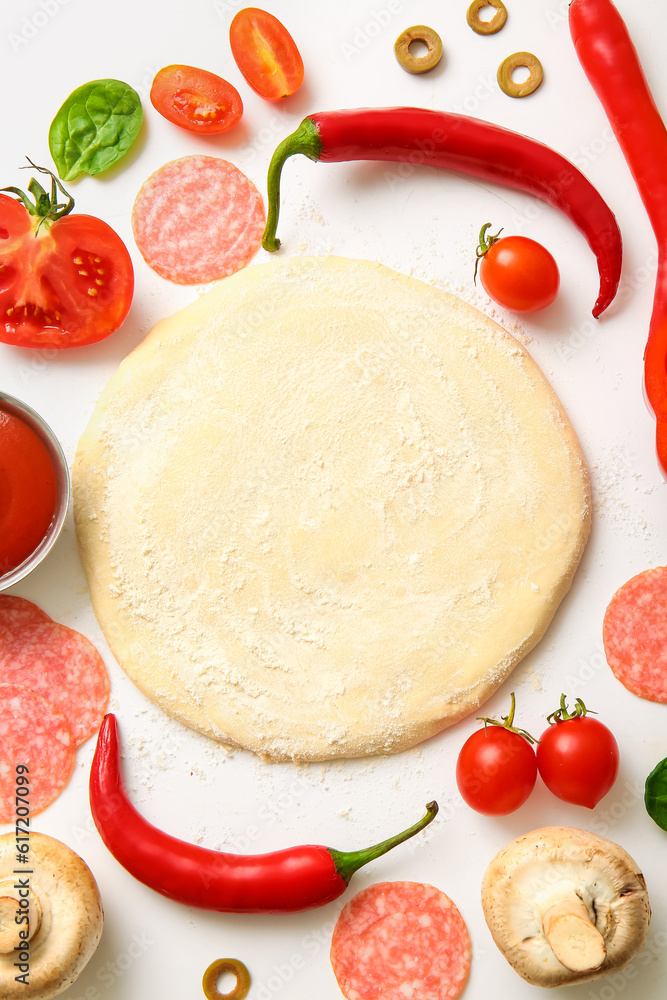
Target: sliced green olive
507, 67
486, 27
418, 64
216, 969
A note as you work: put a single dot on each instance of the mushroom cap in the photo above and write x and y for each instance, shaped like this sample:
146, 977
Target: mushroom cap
538, 870
65, 917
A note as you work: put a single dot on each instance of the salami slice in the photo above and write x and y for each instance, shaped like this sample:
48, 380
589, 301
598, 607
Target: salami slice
634, 633
198, 219
398, 940
37, 740
64, 667
15, 612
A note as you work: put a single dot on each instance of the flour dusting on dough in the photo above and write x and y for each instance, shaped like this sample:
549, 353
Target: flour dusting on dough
326, 509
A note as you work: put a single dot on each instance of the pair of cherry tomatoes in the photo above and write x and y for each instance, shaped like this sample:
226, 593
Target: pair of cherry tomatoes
577, 758
203, 102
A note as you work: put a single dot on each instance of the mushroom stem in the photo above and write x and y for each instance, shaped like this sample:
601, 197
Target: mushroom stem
8, 937
13, 903
575, 940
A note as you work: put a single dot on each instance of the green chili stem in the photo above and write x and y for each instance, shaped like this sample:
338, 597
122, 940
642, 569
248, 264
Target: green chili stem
348, 862
304, 140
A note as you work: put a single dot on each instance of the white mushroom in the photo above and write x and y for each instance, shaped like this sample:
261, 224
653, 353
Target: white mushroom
50, 918
565, 906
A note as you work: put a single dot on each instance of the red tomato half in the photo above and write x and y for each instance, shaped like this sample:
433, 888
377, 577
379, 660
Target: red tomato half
578, 760
496, 771
519, 274
62, 284
266, 53
196, 100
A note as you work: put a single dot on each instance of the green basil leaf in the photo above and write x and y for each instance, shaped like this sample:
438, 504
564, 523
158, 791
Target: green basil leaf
655, 795
96, 125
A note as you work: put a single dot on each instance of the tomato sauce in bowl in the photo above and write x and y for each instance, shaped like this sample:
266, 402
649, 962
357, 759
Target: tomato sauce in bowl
34, 489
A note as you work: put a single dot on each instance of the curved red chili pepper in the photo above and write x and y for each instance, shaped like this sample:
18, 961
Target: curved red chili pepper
468, 146
298, 878
611, 63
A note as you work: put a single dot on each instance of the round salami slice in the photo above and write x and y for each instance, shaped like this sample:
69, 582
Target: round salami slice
36, 753
198, 219
62, 666
15, 612
397, 940
634, 633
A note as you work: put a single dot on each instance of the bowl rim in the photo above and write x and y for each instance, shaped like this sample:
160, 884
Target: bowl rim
17, 407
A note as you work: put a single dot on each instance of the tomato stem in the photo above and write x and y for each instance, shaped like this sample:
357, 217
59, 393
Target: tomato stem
562, 715
45, 207
484, 245
507, 722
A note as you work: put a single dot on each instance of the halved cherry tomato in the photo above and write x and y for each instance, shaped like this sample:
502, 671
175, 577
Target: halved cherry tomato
517, 272
496, 768
196, 100
65, 280
577, 756
266, 53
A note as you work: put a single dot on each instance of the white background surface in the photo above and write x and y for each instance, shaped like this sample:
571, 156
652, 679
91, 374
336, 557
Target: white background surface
426, 225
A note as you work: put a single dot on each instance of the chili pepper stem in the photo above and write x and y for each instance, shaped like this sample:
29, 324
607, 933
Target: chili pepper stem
348, 862
304, 140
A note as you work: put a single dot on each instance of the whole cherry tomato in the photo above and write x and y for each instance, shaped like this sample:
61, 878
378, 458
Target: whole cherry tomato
266, 53
496, 768
516, 272
196, 100
65, 280
577, 756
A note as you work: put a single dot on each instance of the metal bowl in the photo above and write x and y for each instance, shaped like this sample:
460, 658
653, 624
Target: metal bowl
26, 413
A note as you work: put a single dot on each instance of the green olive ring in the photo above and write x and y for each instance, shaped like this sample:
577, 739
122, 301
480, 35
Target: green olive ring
215, 969
418, 64
486, 27
507, 67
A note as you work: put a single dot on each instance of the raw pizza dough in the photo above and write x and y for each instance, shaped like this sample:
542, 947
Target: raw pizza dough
326, 509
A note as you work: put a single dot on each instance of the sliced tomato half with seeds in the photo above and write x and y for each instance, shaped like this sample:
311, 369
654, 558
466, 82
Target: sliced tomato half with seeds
266, 53
196, 100
65, 280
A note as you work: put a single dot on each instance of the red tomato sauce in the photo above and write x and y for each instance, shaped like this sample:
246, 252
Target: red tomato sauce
28, 491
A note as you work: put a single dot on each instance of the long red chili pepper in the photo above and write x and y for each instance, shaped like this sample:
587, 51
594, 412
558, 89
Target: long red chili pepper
468, 146
611, 63
298, 878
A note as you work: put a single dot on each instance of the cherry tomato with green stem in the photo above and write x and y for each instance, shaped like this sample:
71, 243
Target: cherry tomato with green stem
196, 100
577, 756
516, 272
496, 768
266, 53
